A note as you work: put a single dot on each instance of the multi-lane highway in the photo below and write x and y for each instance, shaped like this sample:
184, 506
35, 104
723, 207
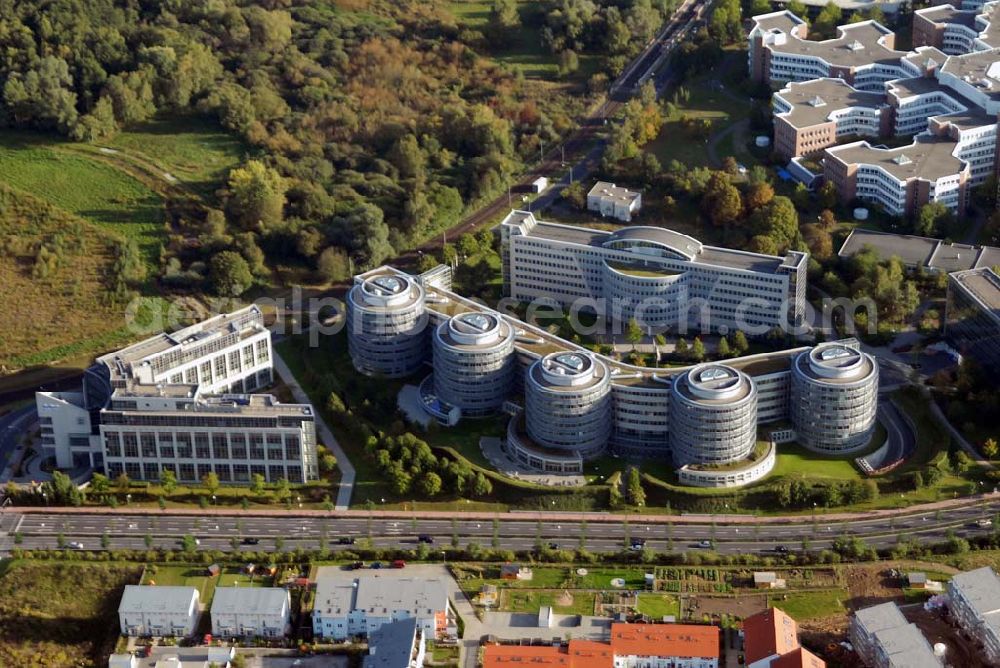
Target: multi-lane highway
513, 531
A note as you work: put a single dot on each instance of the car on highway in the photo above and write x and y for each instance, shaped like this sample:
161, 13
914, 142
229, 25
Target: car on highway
251, 541
637, 544
425, 538
781, 549
376, 565
984, 523
705, 543
553, 546
345, 540
399, 563
74, 545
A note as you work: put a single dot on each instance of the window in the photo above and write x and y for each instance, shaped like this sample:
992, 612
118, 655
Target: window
186, 473
220, 366
131, 445
148, 442
112, 444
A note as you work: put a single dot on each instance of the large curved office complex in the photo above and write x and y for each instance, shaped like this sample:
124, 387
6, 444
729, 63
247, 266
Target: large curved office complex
385, 325
474, 362
663, 279
713, 416
834, 398
568, 403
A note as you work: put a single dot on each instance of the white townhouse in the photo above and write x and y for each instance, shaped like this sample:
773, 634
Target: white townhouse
974, 602
251, 612
150, 610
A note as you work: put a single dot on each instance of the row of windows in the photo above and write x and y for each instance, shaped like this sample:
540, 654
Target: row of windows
193, 473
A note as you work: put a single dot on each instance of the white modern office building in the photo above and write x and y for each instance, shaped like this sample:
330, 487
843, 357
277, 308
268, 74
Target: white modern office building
663, 279
147, 610
834, 398
474, 363
945, 94
184, 401
713, 416
251, 612
386, 326
570, 404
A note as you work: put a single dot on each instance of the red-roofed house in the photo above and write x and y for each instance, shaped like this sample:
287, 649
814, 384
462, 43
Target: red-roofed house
768, 635
799, 658
631, 646
665, 646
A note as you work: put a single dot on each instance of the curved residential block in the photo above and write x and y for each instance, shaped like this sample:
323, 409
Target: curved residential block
385, 326
474, 362
834, 398
568, 403
713, 416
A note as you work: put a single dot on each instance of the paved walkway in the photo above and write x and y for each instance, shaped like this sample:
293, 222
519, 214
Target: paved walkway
529, 516
326, 437
957, 435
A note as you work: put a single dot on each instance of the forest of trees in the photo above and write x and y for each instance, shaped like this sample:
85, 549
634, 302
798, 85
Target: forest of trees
370, 124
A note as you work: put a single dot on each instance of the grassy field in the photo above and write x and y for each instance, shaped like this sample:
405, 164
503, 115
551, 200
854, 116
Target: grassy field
60, 615
811, 605
195, 151
523, 49
62, 314
708, 100
94, 190
658, 606
531, 601
794, 461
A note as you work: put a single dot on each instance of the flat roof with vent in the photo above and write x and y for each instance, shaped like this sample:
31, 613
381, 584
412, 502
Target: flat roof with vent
927, 158
816, 101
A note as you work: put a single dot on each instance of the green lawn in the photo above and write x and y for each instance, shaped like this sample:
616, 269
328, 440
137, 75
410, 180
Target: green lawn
523, 48
186, 575
810, 605
658, 606
794, 461
706, 101
532, 601
84, 186
196, 151
600, 578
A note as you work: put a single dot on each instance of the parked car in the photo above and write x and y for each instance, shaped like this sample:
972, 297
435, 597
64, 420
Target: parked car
355, 565
781, 549
376, 565
399, 563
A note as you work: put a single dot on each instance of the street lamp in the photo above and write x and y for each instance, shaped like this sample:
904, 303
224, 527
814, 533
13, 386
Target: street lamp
213, 499
128, 499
